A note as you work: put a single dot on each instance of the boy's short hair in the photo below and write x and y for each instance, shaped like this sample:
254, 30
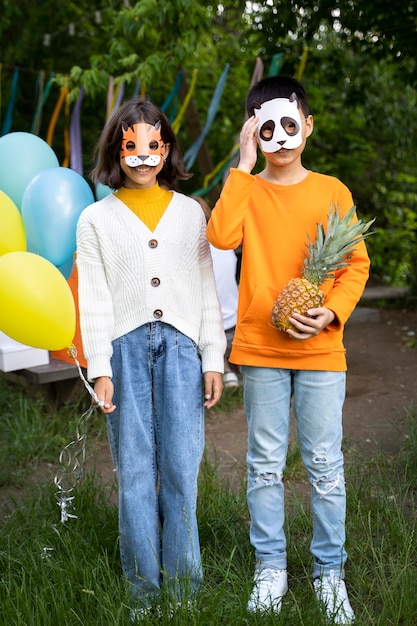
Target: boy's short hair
276, 87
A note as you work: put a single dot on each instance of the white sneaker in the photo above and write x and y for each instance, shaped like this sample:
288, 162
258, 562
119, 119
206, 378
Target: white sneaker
230, 380
332, 594
270, 587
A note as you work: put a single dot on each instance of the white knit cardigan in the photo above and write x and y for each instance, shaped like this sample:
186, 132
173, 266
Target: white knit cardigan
130, 275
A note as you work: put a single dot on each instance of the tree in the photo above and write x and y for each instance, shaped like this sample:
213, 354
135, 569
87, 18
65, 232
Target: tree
356, 59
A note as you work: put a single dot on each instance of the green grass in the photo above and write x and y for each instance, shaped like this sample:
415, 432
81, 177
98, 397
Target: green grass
231, 400
69, 574
31, 434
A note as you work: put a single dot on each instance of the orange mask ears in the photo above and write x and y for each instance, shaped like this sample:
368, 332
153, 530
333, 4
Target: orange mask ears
142, 144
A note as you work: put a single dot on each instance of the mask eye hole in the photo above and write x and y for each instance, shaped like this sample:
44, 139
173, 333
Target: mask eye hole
153, 145
130, 146
290, 126
266, 132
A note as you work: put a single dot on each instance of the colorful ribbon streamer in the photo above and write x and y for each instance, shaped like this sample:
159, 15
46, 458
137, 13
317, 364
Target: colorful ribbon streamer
116, 99
299, 73
276, 64
176, 125
76, 157
55, 114
8, 118
43, 93
257, 74
172, 94
191, 154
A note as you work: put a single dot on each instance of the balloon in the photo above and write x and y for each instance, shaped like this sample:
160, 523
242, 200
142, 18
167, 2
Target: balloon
37, 306
51, 206
30, 246
22, 156
102, 191
67, 267
12, 229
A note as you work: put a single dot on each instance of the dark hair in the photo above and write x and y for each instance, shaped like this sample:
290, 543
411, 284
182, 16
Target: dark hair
107, 169
276, 87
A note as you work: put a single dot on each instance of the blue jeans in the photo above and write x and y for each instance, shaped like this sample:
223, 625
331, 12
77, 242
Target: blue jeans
156, 439
318, 398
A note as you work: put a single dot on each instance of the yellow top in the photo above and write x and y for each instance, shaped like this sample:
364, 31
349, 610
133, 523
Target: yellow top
147, 204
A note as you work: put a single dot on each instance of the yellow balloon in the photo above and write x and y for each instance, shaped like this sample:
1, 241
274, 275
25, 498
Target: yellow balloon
37, 305
12, 230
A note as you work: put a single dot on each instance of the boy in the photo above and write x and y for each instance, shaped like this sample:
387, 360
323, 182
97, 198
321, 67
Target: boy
270, 214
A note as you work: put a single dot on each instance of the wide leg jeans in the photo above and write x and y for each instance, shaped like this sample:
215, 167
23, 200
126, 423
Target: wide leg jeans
156, 439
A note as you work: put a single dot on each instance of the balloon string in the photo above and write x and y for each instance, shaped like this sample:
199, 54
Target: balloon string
72, 351
72, 461
72, 457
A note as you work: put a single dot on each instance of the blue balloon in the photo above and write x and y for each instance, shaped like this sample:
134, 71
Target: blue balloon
31, 247
102, 191
51, 205
22, 156
67, 267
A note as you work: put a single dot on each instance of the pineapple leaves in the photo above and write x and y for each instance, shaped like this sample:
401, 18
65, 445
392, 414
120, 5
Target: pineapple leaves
331, 249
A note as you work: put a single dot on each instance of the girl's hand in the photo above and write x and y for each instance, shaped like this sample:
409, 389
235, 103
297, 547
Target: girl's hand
213, 387
248, 145
104, 390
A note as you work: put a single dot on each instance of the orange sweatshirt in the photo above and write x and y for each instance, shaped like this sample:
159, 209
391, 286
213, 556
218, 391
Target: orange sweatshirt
271, 222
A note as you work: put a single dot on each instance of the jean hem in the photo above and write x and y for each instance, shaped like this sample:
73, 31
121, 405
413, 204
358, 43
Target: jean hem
274, 564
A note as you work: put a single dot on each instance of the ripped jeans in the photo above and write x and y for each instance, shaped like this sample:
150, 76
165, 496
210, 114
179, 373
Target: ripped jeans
318, 398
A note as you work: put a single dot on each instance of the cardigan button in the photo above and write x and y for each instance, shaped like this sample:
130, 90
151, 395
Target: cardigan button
155, 282
157, 314
153, 243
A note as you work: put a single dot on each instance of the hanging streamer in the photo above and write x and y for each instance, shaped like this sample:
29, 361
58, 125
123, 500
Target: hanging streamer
257, 75
76, 156
192, 152
55, 114
173, 93
136, 90
67, 147
117, 99
217, 174
276, 64
299, 73
221, 166
43, 96
110, 96
178, 120
8, 119
39, 90
114, 97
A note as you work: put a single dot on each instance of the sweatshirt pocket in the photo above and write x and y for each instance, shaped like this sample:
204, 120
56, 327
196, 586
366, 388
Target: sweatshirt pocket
255, 324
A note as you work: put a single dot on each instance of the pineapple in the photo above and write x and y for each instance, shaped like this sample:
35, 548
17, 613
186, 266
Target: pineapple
328, 253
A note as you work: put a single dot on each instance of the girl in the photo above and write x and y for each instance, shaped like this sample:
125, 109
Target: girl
151, 324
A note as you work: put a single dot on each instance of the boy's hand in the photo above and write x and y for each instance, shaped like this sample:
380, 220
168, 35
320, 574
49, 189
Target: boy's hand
248, 145
213, 387
308, 327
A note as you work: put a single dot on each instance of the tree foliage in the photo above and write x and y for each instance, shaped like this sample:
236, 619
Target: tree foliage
356, 59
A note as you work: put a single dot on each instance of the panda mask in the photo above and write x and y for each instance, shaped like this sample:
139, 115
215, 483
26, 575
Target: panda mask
279, 124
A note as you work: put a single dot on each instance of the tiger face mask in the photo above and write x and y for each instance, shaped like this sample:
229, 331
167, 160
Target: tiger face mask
142, 144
